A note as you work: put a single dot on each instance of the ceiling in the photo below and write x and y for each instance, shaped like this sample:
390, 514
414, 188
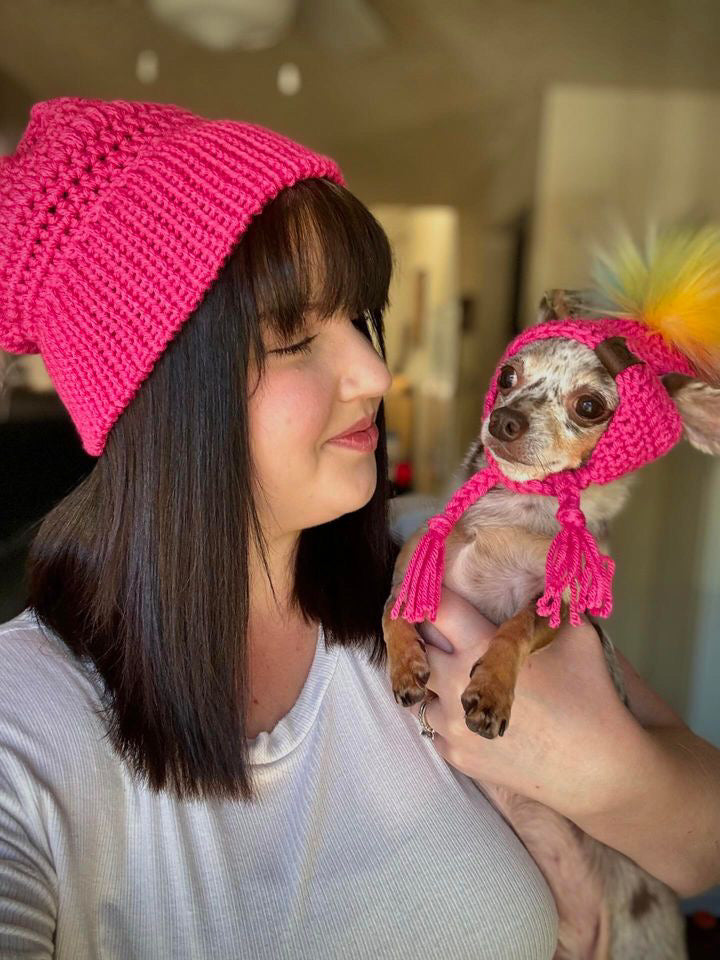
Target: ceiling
447, 112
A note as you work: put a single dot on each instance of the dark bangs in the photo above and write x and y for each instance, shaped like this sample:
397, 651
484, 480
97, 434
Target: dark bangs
143, 567
316, 248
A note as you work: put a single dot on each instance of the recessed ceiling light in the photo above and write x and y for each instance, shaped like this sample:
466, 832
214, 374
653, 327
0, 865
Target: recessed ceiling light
147, 66
289, 80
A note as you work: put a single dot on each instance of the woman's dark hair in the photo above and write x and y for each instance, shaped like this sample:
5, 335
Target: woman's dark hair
143, 567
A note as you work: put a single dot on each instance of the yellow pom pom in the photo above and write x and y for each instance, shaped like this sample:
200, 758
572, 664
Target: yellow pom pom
673, 287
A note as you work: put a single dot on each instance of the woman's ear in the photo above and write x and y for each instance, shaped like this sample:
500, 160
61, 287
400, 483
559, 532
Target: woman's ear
699, 406
558, 304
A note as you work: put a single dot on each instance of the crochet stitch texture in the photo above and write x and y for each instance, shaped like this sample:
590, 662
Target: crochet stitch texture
115, 219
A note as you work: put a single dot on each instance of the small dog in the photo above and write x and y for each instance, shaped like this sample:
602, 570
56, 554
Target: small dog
555, 400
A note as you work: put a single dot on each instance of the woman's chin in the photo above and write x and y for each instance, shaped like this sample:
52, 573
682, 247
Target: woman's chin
361, 494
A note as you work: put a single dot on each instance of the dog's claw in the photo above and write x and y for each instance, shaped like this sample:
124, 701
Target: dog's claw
408, 664
409, 684
487, 705
409, 697
486, 723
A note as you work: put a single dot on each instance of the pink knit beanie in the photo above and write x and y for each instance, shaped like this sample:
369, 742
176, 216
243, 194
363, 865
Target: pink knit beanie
644, 426
115, 219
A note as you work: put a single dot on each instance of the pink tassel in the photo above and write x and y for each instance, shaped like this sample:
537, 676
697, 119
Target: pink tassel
575, 562
422, 583
420, 590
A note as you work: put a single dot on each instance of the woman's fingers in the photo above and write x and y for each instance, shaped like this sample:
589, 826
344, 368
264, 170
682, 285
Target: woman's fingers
431, 635
449, 675
457, 623
457, 637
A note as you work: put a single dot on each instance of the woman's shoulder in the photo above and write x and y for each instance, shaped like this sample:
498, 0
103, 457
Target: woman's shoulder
48, 701
34, 659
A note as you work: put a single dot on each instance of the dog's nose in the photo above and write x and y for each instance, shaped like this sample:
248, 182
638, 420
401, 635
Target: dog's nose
507, 424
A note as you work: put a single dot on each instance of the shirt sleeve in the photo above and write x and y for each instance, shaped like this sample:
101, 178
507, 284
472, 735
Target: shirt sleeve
28, 889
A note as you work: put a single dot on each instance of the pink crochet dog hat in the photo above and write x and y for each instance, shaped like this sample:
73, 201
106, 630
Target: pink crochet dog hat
644, 426
115, 218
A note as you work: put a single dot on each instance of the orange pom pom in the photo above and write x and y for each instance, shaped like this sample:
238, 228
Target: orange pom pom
673, 287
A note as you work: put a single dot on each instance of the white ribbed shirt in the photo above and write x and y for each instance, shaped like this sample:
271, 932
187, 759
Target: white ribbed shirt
363, 843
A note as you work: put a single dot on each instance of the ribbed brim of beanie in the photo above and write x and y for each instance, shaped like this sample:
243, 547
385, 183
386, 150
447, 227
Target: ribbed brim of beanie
115, 219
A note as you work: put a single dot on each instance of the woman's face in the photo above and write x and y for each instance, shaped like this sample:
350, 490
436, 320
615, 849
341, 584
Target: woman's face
305, 398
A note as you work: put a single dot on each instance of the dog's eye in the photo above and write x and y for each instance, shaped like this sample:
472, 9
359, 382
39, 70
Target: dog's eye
507, 378
589, 407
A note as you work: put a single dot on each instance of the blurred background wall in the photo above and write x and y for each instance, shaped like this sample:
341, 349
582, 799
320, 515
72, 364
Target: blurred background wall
495, 140
608, 154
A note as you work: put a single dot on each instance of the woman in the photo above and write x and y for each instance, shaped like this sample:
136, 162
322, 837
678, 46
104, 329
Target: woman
200, 755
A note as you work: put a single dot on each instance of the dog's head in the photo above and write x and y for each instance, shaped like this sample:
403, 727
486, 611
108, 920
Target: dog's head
556, 397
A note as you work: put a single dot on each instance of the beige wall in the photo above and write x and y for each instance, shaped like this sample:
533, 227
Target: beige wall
426, 239
608, 153
635, 154
478, 260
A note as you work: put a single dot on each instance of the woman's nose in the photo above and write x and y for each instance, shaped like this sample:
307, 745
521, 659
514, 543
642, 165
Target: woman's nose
366, 372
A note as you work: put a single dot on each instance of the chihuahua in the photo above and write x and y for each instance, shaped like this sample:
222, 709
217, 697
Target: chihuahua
555, 399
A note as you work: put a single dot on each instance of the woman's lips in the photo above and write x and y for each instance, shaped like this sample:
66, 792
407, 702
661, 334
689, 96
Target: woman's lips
363, 440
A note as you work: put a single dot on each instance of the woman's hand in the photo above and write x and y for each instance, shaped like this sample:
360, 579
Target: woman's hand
569, 736
572, 745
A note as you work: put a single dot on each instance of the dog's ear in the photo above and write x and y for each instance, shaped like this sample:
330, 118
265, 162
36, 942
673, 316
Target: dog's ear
558, 304
614, 355
699, 406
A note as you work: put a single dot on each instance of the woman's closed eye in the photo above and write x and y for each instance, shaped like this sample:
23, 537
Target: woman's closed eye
302, 347
360, 323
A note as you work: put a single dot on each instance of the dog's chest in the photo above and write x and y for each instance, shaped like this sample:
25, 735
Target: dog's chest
499, 570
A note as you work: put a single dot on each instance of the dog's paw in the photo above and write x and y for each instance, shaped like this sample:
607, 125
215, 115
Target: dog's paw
409, 674
487, 703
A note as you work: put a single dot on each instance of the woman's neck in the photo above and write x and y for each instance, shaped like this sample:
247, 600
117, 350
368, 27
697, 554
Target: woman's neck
281, 644
279, 660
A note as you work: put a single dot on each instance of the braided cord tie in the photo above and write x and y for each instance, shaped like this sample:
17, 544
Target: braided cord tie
574, 562
422, 583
